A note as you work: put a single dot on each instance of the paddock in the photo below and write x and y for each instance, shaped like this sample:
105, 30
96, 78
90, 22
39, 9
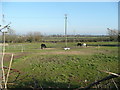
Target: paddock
76, 63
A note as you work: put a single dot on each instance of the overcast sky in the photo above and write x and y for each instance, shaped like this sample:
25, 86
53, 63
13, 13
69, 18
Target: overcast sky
48, 17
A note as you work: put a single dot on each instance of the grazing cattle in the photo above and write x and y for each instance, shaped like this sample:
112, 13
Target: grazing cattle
43, 46
84, 45
79, 44
66, 48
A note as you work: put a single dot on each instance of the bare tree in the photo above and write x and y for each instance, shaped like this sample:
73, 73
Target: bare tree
113, 34
34, 37
10, 36
37, 36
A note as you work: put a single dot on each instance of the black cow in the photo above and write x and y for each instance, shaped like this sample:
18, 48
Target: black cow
79, 44
43, 46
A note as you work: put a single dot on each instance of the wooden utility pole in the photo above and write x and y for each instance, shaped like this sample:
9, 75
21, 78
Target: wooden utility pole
65, 30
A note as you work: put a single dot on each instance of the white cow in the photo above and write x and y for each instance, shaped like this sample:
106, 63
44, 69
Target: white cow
66, 48
84, 44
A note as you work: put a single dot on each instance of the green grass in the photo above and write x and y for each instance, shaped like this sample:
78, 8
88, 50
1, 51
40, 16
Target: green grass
17, 47
55, 67
102, 43
72, 38
66, 68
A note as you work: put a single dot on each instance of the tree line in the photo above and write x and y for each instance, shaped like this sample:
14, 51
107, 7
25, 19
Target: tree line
12, 37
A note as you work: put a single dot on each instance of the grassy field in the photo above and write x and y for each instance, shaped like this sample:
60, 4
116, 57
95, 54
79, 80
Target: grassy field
77, 38
54, 67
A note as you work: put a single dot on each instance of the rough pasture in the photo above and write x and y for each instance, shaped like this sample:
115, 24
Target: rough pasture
54, 67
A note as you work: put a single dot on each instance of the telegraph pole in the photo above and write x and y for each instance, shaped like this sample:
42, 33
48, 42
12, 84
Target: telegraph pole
65, 30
